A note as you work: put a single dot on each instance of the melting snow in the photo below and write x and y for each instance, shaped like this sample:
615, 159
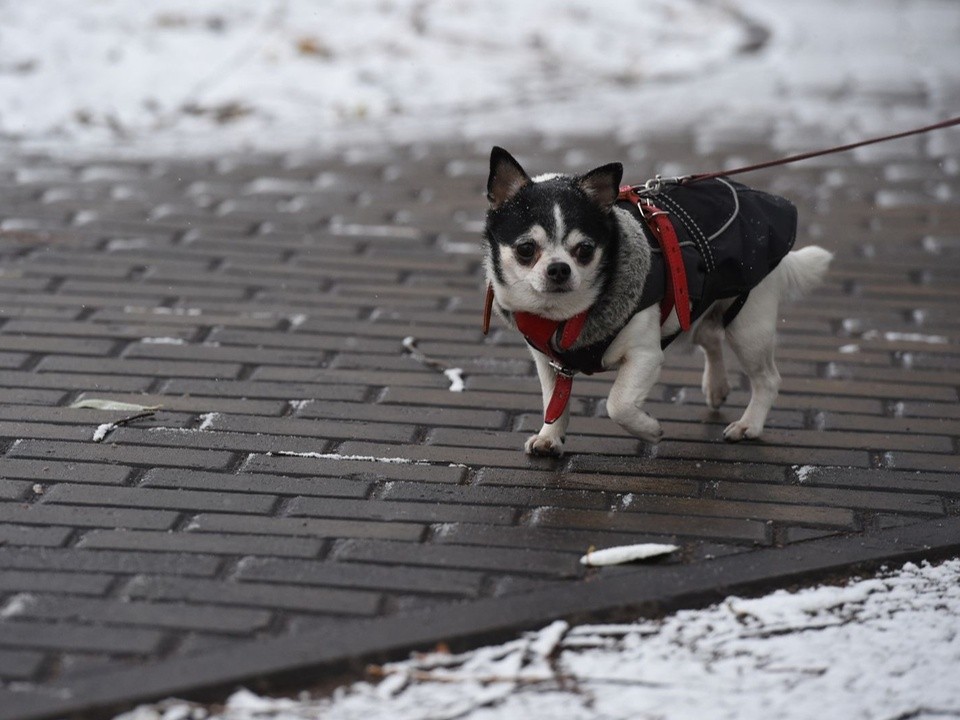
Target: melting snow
905, 337
338, 456
102, 431
852, 649
163, 341
455, 375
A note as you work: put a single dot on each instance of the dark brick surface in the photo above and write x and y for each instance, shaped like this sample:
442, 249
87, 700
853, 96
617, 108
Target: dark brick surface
304, 469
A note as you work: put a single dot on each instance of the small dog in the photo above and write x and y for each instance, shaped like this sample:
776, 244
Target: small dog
588, 272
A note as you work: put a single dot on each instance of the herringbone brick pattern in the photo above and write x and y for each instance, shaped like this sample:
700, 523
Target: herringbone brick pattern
303, 467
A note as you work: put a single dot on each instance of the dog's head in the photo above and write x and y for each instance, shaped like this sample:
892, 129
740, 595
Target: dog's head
549, 238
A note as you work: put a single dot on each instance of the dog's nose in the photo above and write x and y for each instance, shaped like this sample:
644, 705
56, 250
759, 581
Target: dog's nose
558, 272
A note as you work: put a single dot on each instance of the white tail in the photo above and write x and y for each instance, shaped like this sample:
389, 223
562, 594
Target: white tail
803, 270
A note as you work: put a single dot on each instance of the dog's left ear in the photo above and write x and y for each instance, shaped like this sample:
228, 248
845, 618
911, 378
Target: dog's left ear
602, 185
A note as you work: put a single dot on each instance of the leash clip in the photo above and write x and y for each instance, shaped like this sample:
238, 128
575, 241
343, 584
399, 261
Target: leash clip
653, 186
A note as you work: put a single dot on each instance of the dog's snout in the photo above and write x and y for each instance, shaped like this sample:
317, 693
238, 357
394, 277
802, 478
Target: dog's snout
558, 272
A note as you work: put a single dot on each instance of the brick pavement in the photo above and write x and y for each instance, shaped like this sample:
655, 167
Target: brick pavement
262, 301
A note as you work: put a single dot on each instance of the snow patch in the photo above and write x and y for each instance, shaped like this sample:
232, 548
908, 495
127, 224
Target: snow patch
804, 472
102, 431
879, 648
163, 341
338, 456
455, 376
17, 605
207, 420
905, 337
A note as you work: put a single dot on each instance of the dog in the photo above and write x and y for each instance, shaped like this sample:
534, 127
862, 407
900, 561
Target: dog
599, 277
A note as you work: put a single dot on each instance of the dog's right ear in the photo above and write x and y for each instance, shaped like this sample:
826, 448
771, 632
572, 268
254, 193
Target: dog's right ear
506, 177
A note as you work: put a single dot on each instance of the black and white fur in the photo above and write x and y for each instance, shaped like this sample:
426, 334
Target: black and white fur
557, 245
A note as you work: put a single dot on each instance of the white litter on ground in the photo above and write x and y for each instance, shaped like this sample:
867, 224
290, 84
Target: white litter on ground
626, 553
163, 341
840, 652
338, 456
106, 404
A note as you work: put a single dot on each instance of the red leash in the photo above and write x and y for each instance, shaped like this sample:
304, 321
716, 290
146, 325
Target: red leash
817, 153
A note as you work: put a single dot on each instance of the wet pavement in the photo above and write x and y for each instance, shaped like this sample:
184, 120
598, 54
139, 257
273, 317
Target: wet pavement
303, 493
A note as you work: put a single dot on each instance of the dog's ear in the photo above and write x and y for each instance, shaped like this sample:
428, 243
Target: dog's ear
602, 184
506, 177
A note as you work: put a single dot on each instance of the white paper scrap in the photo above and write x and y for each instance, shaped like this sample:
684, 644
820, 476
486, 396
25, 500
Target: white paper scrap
626, 553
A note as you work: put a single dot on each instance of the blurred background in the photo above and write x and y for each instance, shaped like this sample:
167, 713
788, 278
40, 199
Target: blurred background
222, 75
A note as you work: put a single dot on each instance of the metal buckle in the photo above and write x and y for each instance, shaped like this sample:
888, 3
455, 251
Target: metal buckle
561, 370
645, 212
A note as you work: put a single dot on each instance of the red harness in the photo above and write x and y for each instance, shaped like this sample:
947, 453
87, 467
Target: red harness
551, 337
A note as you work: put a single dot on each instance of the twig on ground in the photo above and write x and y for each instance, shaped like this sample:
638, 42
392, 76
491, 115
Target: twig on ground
453, 374
100, 434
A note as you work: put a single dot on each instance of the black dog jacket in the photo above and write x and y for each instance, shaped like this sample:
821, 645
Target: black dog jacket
731, 237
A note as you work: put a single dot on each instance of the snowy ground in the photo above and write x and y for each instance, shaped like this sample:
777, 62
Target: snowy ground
281, 73
882, 648
113, 77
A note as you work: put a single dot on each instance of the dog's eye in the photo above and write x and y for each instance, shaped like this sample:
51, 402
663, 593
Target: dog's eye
525, 250
584, 252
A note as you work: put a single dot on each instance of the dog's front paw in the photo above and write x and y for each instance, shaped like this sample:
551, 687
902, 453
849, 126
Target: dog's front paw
739, 430
543, 446
652, 431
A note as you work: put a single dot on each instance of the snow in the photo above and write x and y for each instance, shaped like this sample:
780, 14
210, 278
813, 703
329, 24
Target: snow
113, 77
102, 431
17, 605
207, 420
162, 341
850, 648
338, 456
626, 553
905, 337
804, 472
184, 74
455, 376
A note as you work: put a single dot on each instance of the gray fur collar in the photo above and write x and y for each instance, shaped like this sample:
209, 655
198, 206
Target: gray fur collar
630, 268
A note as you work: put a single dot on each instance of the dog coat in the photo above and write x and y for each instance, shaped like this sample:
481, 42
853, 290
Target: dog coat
730, 237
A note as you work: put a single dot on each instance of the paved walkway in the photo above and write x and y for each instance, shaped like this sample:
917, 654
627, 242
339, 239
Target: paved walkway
309, 494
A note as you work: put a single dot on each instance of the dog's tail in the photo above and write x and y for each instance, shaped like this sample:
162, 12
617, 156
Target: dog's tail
803, 270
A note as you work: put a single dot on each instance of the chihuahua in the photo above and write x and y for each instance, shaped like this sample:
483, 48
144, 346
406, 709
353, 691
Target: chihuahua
602, 277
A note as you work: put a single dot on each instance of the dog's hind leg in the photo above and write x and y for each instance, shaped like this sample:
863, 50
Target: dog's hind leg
708, 334
753, 337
